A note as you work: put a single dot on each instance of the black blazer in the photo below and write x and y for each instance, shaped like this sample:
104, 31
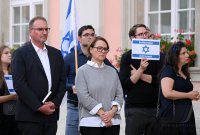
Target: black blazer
31, 84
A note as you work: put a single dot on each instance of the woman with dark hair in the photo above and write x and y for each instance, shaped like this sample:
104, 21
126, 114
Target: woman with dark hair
177, 93
99, 93
8, 125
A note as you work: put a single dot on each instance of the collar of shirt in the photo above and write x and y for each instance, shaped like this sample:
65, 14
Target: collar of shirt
80, 52
93, 64
37, 49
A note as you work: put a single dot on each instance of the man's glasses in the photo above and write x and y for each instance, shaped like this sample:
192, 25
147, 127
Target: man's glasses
89, 35
41, 29
102, 49
142, 34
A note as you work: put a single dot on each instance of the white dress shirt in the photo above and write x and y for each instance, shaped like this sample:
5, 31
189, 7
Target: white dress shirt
43, 56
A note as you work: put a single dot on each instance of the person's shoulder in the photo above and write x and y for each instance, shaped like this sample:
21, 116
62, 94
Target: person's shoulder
54, 51
69, 56
127, 54
168, 67
110, 69
23, 48
168, 71
83, 68
51, 48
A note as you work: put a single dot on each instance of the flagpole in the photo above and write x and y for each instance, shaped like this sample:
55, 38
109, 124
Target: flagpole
76, 44
76, 57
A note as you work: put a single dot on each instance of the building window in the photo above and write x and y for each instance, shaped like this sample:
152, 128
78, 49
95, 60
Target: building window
170, 17
21, 13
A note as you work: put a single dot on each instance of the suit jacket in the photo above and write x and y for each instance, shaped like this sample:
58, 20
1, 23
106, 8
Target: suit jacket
31, 84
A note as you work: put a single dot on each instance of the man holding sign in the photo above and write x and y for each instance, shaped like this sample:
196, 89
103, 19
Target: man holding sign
138, 73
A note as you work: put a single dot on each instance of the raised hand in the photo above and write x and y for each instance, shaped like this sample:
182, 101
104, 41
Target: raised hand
143, 64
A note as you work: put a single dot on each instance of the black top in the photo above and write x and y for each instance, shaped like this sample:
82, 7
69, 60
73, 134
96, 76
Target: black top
1, 104
180, 84
141, 94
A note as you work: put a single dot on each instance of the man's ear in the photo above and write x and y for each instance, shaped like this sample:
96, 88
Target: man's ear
132, 37
79, 38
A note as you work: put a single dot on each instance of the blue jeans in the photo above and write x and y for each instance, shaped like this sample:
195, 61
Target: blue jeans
72, 120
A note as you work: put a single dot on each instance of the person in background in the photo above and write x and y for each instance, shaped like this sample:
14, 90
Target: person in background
177, 90
139, 79
99, 93
86, 35
151, 35
38, 69
8, 125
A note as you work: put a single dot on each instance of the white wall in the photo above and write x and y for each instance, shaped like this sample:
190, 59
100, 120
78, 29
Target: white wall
87, 13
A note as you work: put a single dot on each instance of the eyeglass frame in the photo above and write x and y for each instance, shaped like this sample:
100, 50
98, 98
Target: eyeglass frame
143, 34
101, 49
89, 35
42, 29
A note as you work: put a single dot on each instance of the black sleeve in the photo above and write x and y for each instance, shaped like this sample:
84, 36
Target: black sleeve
125, 71
67, 62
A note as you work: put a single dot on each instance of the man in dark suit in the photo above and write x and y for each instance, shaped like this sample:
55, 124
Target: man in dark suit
37, 70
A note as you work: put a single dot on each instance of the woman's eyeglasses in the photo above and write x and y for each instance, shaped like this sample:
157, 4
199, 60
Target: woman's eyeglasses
102, 49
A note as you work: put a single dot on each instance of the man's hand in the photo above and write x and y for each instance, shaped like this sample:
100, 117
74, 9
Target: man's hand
143, 64
47, 108
51, 104
133, 70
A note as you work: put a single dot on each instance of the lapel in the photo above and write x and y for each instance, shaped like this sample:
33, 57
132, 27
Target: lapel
51, 61
35, 58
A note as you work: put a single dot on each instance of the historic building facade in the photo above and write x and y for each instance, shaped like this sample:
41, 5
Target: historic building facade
111, 19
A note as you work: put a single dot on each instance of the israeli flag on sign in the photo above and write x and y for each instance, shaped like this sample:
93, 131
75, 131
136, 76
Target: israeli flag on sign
69, 40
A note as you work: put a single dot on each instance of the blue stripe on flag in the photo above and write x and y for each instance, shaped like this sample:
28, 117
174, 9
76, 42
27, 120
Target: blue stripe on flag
69, 40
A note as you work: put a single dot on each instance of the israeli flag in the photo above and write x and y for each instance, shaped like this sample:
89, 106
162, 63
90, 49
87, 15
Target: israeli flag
69, 40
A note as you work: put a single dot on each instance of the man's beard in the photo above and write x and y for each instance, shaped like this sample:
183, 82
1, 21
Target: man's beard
85, 45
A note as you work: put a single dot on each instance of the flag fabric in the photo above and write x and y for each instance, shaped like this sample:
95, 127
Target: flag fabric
69, 40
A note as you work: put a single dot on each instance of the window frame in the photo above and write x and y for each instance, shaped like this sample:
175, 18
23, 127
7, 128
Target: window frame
20, 3
174, 17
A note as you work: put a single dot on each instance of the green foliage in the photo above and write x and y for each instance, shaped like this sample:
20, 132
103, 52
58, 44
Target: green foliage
165, 43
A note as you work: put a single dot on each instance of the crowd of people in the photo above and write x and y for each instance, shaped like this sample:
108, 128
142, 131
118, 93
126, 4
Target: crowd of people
96, 91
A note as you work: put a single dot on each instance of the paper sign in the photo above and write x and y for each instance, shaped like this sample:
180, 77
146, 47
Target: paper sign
9, 83
145, 48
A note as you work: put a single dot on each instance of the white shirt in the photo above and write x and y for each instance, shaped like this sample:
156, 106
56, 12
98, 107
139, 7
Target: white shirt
43, 56
96, 121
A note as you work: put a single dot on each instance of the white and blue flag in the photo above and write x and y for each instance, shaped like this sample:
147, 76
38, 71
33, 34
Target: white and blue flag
69, 40
145, 48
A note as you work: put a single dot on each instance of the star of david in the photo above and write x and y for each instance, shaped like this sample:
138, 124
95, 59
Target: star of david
145, 49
